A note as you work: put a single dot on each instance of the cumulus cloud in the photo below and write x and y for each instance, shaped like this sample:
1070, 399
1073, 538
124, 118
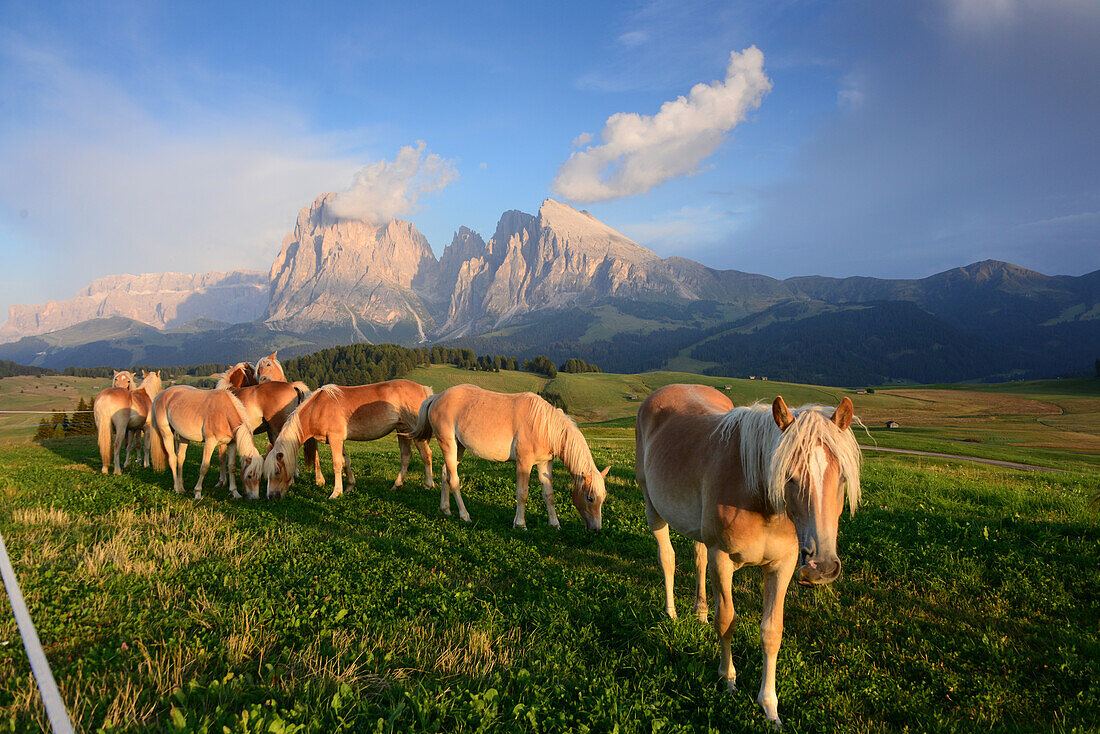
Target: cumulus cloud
386, 189
638, 152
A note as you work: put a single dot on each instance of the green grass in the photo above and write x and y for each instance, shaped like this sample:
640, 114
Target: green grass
969, 602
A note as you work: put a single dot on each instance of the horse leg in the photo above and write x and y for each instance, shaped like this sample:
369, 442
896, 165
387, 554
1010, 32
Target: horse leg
666, 556
177, 469
721, 579
348, 473
776, 581
426, 456
120, 425
337, 445
146, 437
452, 454
130, 436
405, 444
222, 451
700, 608
523, 478
313, 456
231, 460
207, 453
546, 479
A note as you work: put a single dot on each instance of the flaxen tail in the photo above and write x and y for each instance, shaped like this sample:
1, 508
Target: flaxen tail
102, 415
423, 430
158, 452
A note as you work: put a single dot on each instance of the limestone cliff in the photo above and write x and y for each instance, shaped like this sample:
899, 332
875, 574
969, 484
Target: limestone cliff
163, 300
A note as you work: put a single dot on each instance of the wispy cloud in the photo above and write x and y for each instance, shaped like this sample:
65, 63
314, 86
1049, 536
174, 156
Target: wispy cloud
638, 152
386, 189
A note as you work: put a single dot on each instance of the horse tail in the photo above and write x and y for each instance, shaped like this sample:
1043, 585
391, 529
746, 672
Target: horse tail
158, 452
103, 429
303, 391
423, 429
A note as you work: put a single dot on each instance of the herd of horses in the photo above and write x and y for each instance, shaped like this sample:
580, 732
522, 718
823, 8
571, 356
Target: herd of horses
752, 486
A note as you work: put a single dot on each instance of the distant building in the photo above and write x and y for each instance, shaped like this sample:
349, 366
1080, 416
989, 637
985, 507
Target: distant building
764, 378
861, 391
729, 387
752, 377
631, 397
893, 424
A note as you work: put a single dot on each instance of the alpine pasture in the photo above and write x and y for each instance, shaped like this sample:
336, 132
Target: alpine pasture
968, 600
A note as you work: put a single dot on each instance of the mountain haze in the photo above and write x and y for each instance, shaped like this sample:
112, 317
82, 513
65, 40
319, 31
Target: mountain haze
563, 283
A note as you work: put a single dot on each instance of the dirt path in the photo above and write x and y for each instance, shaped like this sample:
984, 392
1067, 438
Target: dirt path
994, 462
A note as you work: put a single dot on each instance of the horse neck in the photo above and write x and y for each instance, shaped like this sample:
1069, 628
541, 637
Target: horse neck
573, 449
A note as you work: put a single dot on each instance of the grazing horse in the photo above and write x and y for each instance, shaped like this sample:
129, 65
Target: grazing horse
125, 411
268, 406
519, 427
269, 368
336, 414
214, 417
757, 486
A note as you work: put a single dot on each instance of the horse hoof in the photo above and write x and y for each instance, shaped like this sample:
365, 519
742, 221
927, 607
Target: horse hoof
334, 495
517, 526
395, 487
117, 472
464, 518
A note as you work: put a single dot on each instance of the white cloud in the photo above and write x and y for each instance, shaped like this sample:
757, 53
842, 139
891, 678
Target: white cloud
386, 189
112, 183
582, 139
633, 38
981, 15
638, 152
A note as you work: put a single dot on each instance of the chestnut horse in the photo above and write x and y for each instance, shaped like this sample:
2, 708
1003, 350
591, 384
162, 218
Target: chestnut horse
125, 411
214, 417
123, 379
757, 486
519, 427
336, 414
268, 406
269, 368
242, 374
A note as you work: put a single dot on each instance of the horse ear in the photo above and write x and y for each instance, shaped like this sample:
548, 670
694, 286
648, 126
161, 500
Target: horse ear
274, 353
606, 469
781, 413
843, 415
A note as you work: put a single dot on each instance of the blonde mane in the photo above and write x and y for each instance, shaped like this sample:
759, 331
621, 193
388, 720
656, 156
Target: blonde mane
290, 438
769, 456
563, 435
151, 384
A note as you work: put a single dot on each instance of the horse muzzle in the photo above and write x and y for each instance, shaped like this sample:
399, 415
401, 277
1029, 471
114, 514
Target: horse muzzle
815, 571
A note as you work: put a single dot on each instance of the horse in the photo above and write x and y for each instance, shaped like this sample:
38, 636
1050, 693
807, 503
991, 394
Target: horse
753, 486
337, 414
242, 374
125, 411
124, 379
268, 406
269, 368
519, 427
214, 417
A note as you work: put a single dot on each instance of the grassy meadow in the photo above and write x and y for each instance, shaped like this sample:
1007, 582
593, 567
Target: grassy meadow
969, 599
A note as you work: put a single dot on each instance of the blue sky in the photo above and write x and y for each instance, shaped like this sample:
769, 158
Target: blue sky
886, 139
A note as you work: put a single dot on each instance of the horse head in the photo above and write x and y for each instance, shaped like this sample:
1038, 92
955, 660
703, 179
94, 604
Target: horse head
252, 471
270, 369
279, 471
589, 493
816, 458
123, 379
